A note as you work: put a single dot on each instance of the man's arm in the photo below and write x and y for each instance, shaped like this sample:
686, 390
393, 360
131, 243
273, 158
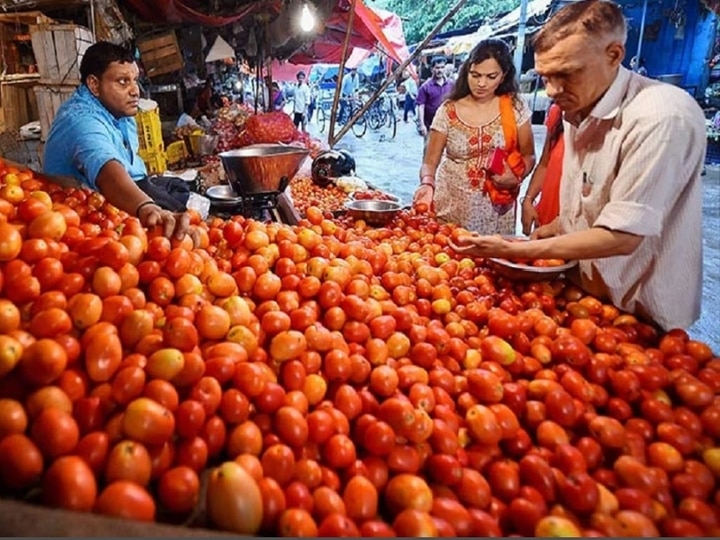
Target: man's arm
96, 157
119, 189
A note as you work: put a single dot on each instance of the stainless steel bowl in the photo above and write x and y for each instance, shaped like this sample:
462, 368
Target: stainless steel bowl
525, 272
261, 167
376, 213
222, 194
202, 145
390, 197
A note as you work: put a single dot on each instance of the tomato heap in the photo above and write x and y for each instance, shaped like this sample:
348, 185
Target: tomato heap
305, 194
334, 380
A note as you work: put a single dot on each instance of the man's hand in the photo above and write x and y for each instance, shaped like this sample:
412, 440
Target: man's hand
529, 216
424, 194
422, 130
481, 246
174, 225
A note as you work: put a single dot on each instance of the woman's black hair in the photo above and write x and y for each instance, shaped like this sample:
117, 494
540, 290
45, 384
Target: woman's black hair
498, 50
99, 56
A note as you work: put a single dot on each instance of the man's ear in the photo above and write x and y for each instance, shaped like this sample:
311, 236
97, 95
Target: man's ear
93, 84
615, 53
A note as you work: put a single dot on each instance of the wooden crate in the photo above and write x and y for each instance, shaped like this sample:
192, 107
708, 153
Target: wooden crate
59, 49
160, 54
19, 105
49, 98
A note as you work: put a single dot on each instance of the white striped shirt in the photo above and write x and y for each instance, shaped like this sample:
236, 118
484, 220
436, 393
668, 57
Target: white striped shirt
634, 165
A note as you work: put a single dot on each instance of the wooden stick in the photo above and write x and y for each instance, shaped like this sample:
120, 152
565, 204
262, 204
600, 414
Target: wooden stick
341, 74
450, 14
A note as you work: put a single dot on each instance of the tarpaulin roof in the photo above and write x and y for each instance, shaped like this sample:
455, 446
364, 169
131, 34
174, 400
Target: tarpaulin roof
181, 11
498, 28
287, 71
371, 27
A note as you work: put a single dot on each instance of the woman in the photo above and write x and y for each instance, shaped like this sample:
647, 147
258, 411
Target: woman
483, 118
277, 97
545, 180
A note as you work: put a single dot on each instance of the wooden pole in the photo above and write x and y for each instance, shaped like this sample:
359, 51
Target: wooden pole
450, 14
341, 73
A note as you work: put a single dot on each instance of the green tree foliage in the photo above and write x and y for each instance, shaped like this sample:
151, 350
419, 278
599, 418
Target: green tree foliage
420, 17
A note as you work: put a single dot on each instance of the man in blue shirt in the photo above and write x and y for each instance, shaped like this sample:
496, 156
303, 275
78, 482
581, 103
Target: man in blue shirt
94, 137
350, 87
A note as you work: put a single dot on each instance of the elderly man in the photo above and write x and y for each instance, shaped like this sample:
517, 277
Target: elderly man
631, 192
94, 140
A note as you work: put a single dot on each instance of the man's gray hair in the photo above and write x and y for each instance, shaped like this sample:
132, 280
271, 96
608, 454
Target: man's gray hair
594, 18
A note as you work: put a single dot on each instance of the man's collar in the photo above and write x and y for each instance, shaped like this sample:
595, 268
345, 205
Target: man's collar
609, 105
89, 97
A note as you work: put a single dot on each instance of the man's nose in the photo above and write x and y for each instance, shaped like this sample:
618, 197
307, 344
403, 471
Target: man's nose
552, 87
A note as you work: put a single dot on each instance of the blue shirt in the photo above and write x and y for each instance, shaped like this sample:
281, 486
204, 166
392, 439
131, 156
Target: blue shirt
350, 84
85, 136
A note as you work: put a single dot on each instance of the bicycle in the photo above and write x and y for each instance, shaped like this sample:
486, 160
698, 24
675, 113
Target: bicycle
383, 113
325, 108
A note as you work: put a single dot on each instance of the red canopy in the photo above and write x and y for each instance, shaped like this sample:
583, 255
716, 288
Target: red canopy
369, 29
181, 11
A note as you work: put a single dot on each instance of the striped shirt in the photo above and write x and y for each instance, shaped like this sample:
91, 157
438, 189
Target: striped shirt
634, 165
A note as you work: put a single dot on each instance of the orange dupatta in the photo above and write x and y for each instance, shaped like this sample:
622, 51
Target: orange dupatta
504, 198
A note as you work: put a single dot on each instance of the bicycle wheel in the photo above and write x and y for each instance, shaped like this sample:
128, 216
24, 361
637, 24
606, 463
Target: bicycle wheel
360, 127
321, 119
392, 121
375, 117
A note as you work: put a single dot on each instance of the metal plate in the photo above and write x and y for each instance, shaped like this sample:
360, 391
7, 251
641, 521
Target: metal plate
223, 194
518, 271
526, 272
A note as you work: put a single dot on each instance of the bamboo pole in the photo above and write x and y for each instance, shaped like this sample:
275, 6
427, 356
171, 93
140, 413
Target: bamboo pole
341, 74
450, 14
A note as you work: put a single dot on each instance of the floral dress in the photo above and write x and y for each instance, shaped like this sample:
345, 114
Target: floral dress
459, 196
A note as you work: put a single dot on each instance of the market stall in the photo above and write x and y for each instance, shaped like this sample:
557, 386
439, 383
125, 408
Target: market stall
322, 363
331, 378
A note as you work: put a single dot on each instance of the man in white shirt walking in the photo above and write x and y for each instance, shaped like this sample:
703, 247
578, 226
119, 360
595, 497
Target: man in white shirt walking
301, 101
411, 92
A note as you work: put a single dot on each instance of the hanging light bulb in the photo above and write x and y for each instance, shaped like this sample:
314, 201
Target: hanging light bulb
307, 19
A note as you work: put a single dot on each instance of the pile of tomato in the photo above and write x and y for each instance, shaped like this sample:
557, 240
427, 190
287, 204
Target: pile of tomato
305, 194
330, 379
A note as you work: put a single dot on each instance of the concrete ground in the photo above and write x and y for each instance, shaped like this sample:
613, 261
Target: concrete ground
393, 165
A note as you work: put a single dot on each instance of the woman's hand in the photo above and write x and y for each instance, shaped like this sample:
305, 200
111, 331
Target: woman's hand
546, 231
174, 225
506, 180
424, 194
529, 216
